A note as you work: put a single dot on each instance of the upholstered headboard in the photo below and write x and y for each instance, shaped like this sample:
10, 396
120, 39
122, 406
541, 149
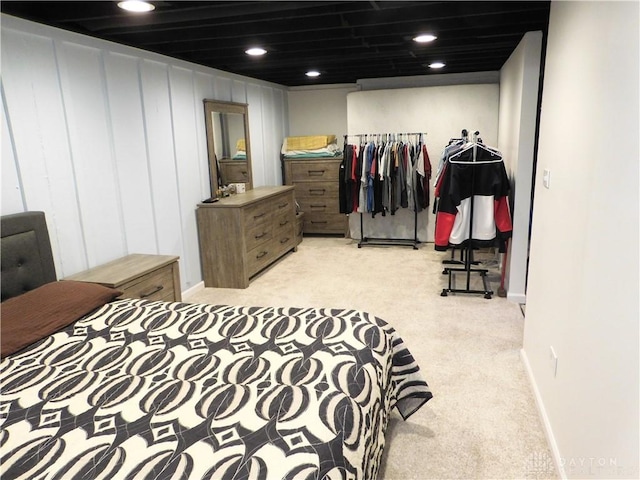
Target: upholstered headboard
27, 260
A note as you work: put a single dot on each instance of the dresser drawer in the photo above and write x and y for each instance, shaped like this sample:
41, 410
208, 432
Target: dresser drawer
283, 204
258, 235
324, 223
284, 221
155, 286
320, 205
284, 239
264, 211
260, 257
257, 214
263, 255
314, 171
314, 190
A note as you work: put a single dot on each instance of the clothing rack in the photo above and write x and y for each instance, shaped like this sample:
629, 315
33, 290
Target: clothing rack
466, 254
406, 242
387, 136
403, 242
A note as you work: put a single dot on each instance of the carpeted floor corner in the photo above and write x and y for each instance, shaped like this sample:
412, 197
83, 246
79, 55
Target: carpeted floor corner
482, 422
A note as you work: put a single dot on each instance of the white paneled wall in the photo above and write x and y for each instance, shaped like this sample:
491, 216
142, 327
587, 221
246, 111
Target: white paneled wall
109, 141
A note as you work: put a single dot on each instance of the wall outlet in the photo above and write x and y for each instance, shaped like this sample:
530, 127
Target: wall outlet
553, 361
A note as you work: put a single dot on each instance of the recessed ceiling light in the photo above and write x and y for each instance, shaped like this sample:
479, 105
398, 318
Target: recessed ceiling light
136, 6
436, 65
312, 73
255, 51
425, 38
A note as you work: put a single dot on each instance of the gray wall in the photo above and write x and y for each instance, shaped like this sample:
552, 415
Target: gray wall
319, 110
110, 142
582, 297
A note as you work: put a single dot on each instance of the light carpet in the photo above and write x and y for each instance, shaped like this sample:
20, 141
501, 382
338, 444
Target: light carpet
482, 422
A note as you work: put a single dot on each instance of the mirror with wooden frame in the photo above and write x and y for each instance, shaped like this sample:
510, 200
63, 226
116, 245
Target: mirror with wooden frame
228, 144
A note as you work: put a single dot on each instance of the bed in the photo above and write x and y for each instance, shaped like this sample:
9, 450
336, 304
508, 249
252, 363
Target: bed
130, 388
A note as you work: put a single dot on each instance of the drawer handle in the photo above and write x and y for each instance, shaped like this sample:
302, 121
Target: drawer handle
258, 237
259, 216
315, 173
284, 240
282, 205
260, 255
155, 289
315, 221
321, 190
282, 224
318, 206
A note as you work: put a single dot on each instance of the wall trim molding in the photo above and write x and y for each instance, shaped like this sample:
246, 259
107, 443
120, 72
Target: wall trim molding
193, 290
546, 423
520, 298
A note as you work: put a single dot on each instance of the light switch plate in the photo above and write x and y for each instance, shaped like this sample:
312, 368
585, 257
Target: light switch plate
546, 177
553, 361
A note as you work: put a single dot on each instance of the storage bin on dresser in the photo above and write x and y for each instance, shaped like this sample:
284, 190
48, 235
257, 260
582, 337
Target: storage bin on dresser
244, 233
316, 183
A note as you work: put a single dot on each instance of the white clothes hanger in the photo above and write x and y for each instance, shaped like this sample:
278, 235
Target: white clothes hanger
475, 145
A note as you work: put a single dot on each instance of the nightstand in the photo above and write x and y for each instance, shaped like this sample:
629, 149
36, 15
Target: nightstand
152, 277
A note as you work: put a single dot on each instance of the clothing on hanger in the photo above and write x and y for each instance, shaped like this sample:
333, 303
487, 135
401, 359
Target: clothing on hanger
382, 176
473, 177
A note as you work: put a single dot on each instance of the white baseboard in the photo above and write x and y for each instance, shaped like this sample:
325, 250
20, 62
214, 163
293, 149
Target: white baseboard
555, 451
190, 291
520, 298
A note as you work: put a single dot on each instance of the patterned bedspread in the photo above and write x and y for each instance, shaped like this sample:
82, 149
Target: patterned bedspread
155, 390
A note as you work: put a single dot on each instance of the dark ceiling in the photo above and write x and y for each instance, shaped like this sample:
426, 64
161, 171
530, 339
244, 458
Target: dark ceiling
345, 41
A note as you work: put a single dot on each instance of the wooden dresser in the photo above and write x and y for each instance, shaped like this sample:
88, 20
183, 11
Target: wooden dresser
244, 233
152, 277
316, 184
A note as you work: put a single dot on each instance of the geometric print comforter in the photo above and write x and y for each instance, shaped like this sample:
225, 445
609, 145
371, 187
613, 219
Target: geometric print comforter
155, 390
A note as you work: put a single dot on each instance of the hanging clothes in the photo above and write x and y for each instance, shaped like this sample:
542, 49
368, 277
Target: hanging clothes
472, 190
383, 176
422, 170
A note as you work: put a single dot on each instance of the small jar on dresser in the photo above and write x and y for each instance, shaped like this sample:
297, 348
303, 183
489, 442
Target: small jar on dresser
242, 234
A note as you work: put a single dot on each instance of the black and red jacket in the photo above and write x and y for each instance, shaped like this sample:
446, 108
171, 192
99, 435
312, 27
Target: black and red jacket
481, 185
